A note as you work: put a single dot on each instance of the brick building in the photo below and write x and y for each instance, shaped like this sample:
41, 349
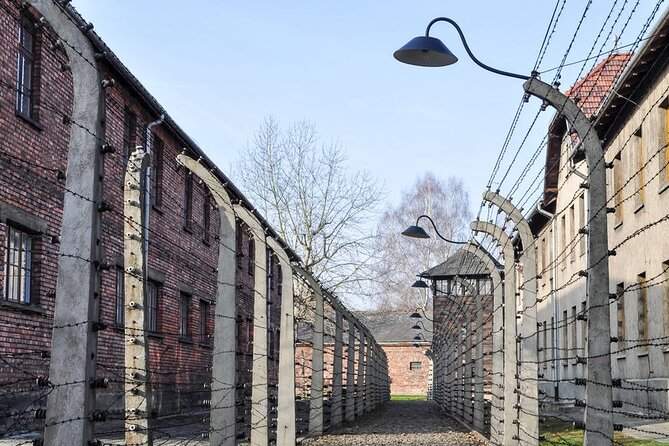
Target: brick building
409, 366
35, 121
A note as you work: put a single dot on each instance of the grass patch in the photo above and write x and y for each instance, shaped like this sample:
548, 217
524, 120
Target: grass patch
563, 433
409, 398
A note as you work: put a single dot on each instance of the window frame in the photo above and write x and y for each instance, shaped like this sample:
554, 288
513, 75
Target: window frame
185, 301
152, 314
204, 310
26, 57
415, 366
158, 149
188, 202
24, 285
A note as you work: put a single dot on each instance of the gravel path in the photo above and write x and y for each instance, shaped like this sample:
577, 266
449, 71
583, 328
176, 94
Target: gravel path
418, 423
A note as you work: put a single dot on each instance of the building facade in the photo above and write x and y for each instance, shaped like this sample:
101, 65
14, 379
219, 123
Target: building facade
627, 98
35, 122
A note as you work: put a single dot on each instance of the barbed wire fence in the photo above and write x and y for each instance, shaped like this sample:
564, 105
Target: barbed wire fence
173, 387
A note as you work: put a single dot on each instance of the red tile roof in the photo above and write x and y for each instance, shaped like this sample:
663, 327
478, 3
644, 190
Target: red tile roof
593, 89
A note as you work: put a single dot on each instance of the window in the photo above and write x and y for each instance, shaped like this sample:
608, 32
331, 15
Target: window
239, 243
565, 337
639, 165
415, 365
582, 223
184, 313
241, 335
620, 309
270, 285
152, 296
279, 281
663, 136
129, 132
553, 335
545, 345
574, 333
542, 259
572, 233
252, 257
642, 307
204, 317
18, 266
26, 69
563, 238
584, 331
206, 219
665, 295
119, 315
188, 201
618, 188
157, 174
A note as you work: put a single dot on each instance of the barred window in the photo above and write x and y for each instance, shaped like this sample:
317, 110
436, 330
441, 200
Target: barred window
25, 75
152, 306
119, 314
18, 266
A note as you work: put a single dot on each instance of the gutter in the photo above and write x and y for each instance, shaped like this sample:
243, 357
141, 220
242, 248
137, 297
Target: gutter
146, 217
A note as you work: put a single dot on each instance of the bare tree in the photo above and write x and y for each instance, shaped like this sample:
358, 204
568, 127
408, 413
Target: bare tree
321, 209
403, 258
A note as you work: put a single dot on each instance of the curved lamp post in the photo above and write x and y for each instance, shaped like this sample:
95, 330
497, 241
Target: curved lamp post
426, 51
416, 231
431, 52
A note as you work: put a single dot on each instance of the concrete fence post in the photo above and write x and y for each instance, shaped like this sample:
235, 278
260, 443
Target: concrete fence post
336, 414
223, 373
73, 364
528, 417
285, 427
259, 384
598, 389
317, 363
496, 412
137, 410
350, 372
360, 383
510, 430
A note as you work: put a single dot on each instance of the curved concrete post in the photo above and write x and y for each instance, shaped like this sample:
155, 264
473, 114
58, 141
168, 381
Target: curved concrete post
336, 410
223, 372
74, 344
598, 389
468, 363
285, 427
260, 384
360, 383
349, 414
510, 353
528, 418
478, 408
369, 372
497, 400
317, 368
136, 346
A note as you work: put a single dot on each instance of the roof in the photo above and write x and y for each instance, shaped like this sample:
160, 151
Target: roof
152, 103
630, 76
592, 89
394, 326
461, 263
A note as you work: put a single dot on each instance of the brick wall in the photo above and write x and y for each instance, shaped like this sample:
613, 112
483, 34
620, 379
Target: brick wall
182, 259
403, 380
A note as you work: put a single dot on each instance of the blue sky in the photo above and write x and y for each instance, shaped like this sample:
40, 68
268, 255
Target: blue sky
220, 68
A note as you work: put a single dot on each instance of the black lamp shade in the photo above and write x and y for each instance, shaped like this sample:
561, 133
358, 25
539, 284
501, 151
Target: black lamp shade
425, 51
420, 283
415, 315
415, 327
415, 232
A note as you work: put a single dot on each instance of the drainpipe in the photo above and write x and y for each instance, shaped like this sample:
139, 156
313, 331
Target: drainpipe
147, 195
556, 369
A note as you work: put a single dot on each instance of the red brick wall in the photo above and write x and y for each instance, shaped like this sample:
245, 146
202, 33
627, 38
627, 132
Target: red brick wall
30, 157
404, 381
